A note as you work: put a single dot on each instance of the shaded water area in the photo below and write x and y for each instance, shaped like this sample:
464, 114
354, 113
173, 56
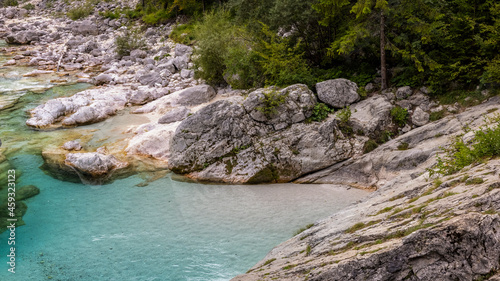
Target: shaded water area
137, 228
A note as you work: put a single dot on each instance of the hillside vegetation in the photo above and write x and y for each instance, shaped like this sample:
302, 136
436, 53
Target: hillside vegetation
449, 46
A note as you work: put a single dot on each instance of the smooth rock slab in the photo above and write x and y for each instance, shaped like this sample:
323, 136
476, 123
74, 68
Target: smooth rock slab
338, 93
88, 106
174, 115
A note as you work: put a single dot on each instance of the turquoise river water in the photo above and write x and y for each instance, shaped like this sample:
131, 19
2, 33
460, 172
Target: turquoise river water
165, 230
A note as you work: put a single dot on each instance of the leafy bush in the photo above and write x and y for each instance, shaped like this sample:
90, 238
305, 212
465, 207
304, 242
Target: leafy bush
492, 72
399, 115
183, 33
225, 50
7, 3
29, 7
128, 41
320, 112
111, 14
486, 143
436, 115
344, 114
271, 100
81, 11
369, 146
283, 65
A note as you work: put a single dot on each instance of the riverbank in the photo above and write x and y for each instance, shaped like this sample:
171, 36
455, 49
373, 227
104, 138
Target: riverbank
146, 112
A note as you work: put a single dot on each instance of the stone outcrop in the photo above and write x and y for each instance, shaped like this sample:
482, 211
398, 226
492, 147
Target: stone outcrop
240, 144
93, 166
187, 97
411, 228
85, 107
337, 92
372, 115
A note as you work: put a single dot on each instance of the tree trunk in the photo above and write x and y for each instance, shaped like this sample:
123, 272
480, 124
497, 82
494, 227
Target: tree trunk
383, 67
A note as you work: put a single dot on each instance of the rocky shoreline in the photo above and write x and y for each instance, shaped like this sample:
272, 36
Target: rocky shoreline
410, 228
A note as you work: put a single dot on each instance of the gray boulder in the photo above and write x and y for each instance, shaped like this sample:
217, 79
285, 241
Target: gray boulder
72, 145
84, 28
223, 142
403, 92
182, 50
419, 117
24, 37
337, 92
145, 95
93, 167
297, 102
138, 54
196, 95
180, 62
371, 115
102, 79
150, 78
174, 115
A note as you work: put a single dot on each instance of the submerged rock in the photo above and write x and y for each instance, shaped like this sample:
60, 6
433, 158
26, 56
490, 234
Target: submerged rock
94, 167
26, 192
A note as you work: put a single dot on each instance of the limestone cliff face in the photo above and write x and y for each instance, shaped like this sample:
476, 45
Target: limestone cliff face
413, 227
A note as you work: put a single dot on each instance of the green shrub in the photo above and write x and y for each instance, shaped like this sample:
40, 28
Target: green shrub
111, 14
157, 17
225, 50
436, 115
403, 146
344, 114
486, 143
492, 72
29, 7
81, 11
128, 41
271, 100
183, 33
7, 3
283, 65
320, 112
399, 115
369, 146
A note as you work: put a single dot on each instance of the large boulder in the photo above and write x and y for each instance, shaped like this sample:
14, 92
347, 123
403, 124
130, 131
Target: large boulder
24, 37
371, 116
337, 92
177, 114
102, 79
196, 95
419, 117
152, 140
145, 94
84, 28
150, 78
403, 92
94, 167
281, 108
85, 107
224, 142
182, 50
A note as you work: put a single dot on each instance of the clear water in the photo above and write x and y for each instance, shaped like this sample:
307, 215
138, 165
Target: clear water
166, 230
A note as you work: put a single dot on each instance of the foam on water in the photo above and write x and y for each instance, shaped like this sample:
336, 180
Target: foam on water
167, 230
